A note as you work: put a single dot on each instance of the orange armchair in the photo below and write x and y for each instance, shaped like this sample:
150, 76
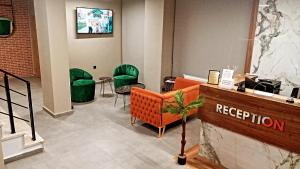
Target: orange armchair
147, 105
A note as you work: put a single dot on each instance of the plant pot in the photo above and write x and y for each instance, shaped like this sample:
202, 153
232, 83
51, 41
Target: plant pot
181, 160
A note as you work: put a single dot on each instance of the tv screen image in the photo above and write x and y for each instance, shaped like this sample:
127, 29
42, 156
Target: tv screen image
94, 20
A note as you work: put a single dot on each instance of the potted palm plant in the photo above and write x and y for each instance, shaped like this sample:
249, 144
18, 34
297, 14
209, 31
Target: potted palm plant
178, 107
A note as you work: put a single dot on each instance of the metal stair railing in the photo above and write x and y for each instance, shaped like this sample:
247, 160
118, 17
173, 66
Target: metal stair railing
10, 102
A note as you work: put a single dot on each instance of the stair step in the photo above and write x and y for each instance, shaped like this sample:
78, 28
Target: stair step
12, 144
30, 143
20, 144
12, 136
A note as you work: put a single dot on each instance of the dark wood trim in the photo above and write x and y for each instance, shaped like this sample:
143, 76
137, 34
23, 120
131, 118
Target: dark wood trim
251, 36
34, 41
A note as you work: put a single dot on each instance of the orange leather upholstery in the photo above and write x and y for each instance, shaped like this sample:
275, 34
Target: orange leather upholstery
147, 105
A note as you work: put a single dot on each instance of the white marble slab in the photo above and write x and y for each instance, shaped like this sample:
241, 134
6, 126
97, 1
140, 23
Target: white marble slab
276, 53
235, 151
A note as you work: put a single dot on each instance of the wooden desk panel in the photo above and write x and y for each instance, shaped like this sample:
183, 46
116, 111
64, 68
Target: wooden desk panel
273, 107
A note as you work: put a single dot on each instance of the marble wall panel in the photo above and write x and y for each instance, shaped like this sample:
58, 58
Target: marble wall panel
235, 151
276, 53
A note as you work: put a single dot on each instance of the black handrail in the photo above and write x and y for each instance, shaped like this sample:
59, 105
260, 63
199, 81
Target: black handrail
14, 91
10, 103
14, 116
15, 103
12, 75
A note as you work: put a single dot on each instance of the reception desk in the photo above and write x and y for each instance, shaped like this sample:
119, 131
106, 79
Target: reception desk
246, 130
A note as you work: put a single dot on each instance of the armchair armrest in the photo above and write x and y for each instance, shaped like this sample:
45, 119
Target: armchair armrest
181, 83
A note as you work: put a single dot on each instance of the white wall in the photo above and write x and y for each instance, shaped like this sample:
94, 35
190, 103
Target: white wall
147, 36
103, 51
210, 34
133, 17
278, 56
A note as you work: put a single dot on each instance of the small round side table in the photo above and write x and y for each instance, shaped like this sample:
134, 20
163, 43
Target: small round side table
104, 80
126, 90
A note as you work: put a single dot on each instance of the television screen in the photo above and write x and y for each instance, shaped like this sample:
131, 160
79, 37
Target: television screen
94, 20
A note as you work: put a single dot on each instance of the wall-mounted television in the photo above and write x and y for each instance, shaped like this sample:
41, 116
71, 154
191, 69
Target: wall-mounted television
94, 21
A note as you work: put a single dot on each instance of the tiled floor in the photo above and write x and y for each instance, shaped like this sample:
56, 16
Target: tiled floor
99, 136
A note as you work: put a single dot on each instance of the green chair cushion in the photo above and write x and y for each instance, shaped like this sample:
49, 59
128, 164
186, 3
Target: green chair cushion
83, 82
82, 85
120, 81
125, 75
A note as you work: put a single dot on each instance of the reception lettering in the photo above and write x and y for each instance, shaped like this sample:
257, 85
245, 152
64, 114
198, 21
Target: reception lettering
249, 116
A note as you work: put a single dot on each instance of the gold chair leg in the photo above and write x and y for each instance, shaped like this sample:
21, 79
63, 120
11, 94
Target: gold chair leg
133, 119
163, 132
159, 132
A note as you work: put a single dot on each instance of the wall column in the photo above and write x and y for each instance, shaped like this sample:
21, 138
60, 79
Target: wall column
158, 41
53, 51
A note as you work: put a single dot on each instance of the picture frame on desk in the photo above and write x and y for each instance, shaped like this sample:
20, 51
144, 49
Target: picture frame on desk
213, 77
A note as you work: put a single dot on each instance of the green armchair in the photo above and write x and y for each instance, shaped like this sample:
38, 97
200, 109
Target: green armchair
125, 75
82, 86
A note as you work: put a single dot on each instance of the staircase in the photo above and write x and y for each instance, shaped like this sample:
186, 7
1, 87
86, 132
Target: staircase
20, 144
18, 139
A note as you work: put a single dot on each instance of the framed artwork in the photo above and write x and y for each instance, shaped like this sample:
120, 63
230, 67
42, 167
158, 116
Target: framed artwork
213, 77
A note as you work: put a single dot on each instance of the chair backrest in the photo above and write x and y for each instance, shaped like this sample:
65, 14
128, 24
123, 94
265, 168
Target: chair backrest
126, 69
181, 83
76, 73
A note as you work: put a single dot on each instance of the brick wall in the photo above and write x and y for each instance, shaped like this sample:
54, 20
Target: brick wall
17, 52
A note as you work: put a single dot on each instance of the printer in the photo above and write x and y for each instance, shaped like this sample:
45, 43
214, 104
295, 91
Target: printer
272, 86
266, 85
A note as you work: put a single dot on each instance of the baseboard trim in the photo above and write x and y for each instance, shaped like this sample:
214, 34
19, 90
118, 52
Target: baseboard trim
57, 115
24, 155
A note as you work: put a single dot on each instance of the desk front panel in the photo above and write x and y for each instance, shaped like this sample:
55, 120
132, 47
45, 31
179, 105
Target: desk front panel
265, 119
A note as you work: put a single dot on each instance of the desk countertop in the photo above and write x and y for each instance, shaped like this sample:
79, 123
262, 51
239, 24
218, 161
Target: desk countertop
250, 92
